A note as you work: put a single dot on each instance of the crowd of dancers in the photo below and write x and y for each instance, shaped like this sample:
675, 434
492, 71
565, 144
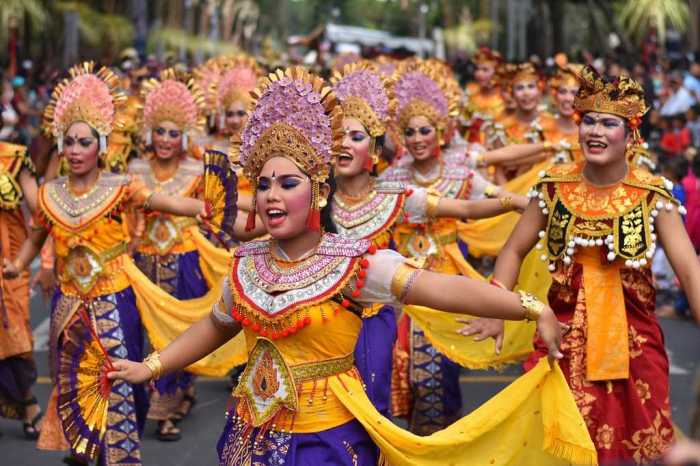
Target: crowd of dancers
345, 272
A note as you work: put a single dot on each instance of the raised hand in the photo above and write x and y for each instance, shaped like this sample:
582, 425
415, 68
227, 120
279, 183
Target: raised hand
129, 371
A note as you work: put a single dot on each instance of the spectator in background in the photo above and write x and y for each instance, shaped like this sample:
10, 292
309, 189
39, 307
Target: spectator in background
692, 80
677, 138
691, 187
679, 99
9, 115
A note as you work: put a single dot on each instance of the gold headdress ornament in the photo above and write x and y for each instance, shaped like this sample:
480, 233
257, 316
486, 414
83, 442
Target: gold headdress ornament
566, 76
174, 97
207, 76
487, 55
93, 98
294, 115
423, 88
621, 96
511, 73
364, 95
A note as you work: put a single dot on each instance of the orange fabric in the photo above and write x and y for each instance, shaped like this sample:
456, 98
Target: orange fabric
607, 351
15, 330
51, 436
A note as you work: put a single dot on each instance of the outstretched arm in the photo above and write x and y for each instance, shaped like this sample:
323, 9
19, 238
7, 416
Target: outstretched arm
458, 294
515, 153
176, 205
29, 189
480, 208
196, 342
681, 255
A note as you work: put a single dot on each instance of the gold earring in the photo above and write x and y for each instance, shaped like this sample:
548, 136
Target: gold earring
323, 202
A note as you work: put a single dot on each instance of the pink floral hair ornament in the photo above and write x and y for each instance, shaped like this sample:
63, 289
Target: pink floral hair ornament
207, 77
294, 115
176, 98
236, 84
421, 90
86, 96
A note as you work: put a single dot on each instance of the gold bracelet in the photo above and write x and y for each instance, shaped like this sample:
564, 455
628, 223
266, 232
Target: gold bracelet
547, 145
403, 279
532, 306
506, 202
147, 202
153, 363
432, 200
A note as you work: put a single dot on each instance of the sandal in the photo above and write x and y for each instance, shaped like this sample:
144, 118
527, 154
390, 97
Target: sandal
180, 414
30, 427
168, 432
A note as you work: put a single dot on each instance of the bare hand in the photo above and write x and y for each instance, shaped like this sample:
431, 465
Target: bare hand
683, 453
9, 269
550, 330
46, 279
482, 329
130, 371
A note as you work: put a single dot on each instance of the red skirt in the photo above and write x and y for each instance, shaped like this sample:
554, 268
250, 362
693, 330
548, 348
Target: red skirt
629, 420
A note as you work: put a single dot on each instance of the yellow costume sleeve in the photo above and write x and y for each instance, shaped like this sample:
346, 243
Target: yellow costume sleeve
533, 421
166, 317
441, 329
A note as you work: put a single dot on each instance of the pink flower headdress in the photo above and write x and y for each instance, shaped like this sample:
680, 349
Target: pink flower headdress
174, 98
206, 77
238, 80
85, 96
422, 89
296, 115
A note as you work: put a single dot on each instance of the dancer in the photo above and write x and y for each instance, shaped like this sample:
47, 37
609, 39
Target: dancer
166, 248
597, 223
424, 102
562, 129
17, 367
484, 99
295, 296
83, 213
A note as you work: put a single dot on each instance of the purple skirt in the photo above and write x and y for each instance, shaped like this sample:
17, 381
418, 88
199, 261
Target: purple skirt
373, 356
345, 445
181, 276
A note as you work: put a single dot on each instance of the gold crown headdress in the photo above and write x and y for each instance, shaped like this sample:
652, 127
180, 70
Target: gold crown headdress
566, 76
294, 115
422, 88
622, 96
92, 98
487, 55
511, 73
174, 97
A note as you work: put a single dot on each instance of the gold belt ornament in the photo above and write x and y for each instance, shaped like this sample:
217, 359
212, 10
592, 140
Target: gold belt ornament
10, 191
164, 232
85, 266
268, 385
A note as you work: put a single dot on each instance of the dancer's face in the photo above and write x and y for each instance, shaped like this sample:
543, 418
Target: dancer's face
564, 98
80, 147
420, 138
283, 198
354, 158
167, 140
236, 116
484, 74
603, 137
526, 94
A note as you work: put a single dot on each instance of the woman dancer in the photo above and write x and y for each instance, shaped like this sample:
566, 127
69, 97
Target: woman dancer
562, 129
17, 368
166, 246
296, 297
484, 99
596, 223
84, 214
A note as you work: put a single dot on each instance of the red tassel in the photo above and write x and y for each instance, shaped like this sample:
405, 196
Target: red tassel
369, 164
437, 152
250, 221
313, 221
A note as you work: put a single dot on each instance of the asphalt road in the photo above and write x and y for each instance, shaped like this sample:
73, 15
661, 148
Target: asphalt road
201, 430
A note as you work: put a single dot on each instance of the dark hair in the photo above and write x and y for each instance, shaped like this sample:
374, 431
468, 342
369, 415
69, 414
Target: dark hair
326, 218
677, 167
